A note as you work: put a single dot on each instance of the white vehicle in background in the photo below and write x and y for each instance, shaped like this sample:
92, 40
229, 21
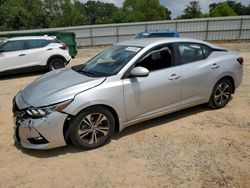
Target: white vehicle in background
20, 54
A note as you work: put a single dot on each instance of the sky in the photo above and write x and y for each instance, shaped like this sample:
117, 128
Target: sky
177, 6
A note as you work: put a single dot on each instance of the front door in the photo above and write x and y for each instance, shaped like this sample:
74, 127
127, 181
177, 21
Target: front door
11, 55
159, 91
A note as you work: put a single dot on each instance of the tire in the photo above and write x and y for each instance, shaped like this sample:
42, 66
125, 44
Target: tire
87, 133
221, 94
56, 63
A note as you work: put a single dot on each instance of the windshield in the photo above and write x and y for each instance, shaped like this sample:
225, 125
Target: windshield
108, 62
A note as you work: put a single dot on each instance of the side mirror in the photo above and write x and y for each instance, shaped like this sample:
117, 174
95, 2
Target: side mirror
139, 72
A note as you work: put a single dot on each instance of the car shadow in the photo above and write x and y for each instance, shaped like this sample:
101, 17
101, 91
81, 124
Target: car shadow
126, 132
160, 121
50, 152
22, 74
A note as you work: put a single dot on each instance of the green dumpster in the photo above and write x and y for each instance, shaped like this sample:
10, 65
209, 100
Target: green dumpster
67, 38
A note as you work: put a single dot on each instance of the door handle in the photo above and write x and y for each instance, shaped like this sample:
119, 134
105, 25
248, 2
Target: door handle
22, 54
215, 66
49, 49
174, 77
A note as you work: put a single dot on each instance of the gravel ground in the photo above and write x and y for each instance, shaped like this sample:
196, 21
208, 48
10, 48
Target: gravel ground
196, 147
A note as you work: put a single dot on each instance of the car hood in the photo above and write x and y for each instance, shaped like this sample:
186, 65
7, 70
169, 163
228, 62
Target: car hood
57, 86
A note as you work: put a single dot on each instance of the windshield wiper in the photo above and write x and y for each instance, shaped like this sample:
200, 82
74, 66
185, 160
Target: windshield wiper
88, 73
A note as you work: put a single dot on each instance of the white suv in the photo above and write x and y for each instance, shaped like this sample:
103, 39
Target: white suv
22, 53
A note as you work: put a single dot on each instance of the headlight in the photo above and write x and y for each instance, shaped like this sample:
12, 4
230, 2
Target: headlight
44, 111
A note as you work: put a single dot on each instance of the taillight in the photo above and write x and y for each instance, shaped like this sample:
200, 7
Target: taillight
240, 60
64, 47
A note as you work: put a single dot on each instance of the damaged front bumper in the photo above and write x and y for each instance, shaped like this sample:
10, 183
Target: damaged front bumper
39, 133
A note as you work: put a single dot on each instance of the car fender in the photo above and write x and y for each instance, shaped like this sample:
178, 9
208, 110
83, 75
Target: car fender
108, 94
224, 74
121, 116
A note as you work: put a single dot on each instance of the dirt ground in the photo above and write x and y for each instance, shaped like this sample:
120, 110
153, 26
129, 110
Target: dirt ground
196, 147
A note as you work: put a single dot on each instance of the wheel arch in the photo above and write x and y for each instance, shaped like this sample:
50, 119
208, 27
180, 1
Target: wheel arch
67, 123
230, 78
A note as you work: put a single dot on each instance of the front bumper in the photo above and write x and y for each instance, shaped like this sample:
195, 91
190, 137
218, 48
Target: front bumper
39, 133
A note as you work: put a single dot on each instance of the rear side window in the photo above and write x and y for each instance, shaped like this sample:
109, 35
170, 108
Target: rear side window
11, 46
37, 43
191, 52
206, 51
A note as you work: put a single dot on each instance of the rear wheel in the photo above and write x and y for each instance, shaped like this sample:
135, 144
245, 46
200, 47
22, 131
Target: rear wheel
56, 63
221, 94
92, 128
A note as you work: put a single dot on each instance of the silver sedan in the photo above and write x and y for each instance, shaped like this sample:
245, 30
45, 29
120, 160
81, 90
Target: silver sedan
125, 84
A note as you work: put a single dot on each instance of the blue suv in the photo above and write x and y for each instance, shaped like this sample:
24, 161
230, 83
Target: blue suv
157, 33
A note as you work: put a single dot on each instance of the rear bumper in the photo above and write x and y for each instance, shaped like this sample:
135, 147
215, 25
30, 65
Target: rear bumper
238, 76
68, 61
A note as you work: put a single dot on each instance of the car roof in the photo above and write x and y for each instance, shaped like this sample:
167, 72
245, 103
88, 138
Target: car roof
144, 42
31, 38
160, 31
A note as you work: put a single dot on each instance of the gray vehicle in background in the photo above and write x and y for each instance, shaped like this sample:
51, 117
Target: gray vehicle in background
127, 83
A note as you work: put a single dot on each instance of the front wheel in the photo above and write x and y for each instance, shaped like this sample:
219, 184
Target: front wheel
92, 128
221, 94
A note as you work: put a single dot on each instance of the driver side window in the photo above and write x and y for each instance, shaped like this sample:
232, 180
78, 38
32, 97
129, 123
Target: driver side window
11, 46
157, 59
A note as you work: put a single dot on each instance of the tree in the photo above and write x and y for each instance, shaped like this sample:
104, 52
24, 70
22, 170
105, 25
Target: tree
37, 14
98, 12
192, 10
141, 10
237, 7
22, 14
168, 14
68, 15
221, 9
51, 8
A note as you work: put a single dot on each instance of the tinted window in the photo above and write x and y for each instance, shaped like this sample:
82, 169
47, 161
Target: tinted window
161, 35
141, 35
206, 51
37, 43
55, 41
12, 46
157, 59
190, 52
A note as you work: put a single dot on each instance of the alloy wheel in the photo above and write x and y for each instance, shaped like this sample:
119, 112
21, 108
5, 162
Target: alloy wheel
93, 128
222, 93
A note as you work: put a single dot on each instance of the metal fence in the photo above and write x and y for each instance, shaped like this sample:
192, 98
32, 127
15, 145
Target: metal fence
221, 28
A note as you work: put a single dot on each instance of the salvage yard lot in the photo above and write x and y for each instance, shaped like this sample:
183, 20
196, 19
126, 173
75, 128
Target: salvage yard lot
196, 147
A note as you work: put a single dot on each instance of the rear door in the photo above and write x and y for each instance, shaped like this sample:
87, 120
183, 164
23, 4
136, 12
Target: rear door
198, 72
35, 53
159, 91
12, 55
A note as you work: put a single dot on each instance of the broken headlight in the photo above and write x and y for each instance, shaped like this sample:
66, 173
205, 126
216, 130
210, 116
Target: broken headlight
44, 111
